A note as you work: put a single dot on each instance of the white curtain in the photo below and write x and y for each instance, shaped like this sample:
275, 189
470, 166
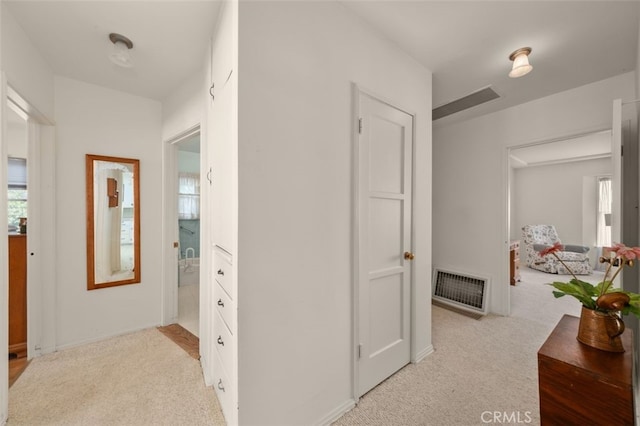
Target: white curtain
603, 226
188, 196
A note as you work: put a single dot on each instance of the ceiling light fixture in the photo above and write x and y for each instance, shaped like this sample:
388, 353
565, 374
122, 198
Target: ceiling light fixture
520, 60
120, 54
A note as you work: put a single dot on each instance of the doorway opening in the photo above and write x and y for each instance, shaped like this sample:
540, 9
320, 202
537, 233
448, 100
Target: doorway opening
555, 182
17, 213
188, 207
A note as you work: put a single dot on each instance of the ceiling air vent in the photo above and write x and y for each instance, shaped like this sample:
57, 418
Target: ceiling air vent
476, 98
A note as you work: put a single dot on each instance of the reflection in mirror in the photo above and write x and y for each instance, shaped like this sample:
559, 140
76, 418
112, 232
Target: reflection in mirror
113, 221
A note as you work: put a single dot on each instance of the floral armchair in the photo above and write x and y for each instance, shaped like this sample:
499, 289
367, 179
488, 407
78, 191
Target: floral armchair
538, 237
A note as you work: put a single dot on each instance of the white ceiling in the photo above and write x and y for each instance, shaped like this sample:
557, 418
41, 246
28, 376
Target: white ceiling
170, 40
465, 44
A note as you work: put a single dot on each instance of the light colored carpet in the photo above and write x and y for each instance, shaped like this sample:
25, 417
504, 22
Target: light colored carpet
141, 378
480, 368
533, 299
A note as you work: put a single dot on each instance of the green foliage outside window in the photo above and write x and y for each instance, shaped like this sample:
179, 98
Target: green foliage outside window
17, 206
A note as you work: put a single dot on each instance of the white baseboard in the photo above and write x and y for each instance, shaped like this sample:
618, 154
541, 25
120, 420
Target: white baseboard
206, 371
423, 354
336, 413
100, 338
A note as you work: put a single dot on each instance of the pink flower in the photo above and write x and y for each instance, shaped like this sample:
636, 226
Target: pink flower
628, 253
554, 248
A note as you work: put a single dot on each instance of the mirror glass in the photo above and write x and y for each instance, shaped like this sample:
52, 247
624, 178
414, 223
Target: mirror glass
113, 221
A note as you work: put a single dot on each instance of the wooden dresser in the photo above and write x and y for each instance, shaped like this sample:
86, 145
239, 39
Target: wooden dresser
18, 295
514, 262
581, 385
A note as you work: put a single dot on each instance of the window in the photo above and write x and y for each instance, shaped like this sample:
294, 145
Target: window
17, 191
17, 206
188, 196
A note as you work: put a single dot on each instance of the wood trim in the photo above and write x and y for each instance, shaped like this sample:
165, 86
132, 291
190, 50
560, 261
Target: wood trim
20, 349
17, 293
89, 159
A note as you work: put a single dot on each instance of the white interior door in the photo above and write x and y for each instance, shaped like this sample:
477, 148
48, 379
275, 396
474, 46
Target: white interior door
385, 147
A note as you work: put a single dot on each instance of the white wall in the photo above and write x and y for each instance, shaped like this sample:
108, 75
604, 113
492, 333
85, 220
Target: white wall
29, 74
26, 69
296, 66
95, 120
554, 194
16, 136
188, 162
470, 168
183, 108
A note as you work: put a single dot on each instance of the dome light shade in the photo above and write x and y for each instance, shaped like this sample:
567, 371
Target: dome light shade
521, 64
121, 54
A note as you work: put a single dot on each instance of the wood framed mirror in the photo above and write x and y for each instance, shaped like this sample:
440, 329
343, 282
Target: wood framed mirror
113, 221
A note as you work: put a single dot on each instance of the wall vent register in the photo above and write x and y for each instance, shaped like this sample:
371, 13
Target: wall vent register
460, 291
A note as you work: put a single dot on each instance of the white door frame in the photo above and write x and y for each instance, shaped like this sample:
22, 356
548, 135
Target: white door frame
503, 293
39, 261
357, 91
37, 313
4, 262
170, 233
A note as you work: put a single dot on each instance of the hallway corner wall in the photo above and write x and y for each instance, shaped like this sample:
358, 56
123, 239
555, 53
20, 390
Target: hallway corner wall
95, 120
295, 160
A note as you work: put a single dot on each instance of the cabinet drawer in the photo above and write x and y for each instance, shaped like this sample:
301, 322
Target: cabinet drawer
225, 307
225, 390
222, 271
224, 342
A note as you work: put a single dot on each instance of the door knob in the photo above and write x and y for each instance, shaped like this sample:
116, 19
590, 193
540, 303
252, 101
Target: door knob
408, 255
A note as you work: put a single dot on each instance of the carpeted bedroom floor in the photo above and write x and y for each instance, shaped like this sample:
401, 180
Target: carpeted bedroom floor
478, 367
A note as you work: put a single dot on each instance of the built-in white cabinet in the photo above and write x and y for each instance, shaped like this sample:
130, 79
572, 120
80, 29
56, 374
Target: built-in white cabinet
127, 190
222, 173
224, 334
126, 231
224, 169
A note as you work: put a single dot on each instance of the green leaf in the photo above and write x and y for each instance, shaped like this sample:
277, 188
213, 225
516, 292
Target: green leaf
631, 309
634, 304
582, 291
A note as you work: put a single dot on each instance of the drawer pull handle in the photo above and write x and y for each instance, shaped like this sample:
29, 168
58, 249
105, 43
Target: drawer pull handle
220, 386
220, 272
220, 303
220, 341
